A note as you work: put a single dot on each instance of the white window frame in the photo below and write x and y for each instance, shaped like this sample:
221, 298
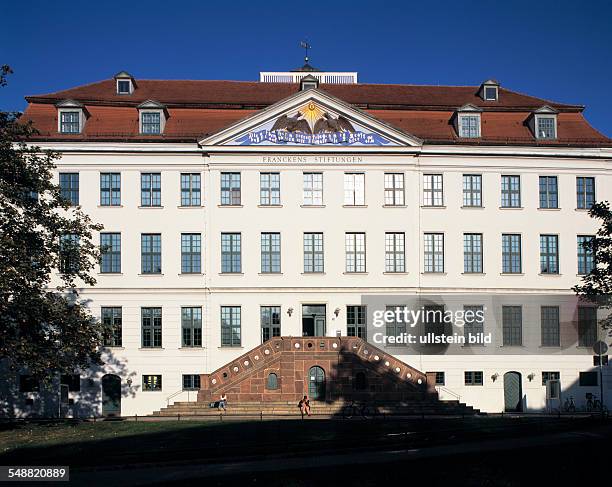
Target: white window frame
354, 193
67, 110
162, 120
313, 191
460, 121
484, 93
542, 116
130, 89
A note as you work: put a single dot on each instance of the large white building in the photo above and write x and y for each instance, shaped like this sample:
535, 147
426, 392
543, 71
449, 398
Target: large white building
304, 203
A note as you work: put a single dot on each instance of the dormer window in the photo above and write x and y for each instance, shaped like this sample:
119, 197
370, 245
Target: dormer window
309, 83
150, 122
70, 117
544, 123
489, 90
468, 122
124, 83
152, 118
124, 86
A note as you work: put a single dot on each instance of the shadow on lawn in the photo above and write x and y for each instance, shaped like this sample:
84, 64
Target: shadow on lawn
130, 443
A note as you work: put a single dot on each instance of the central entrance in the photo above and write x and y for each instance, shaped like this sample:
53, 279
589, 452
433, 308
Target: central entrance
313, 320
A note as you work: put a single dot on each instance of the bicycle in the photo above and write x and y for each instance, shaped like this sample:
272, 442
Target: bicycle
594, 404
569, 406
365, 411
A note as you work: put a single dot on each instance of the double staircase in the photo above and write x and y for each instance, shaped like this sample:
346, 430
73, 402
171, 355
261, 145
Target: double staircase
353, 370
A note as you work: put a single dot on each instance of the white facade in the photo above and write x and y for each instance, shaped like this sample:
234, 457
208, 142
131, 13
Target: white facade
132, 290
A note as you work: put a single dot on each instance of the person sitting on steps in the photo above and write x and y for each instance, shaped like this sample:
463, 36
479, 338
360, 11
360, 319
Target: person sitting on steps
223, 402
304, 406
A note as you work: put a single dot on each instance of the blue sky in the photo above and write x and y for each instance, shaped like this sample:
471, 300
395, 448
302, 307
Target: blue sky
558, 50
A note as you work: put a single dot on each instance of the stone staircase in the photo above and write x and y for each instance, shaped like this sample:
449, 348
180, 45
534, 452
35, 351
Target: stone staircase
354, 370
318, 409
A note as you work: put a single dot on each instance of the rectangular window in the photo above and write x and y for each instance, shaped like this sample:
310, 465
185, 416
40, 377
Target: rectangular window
469, 126
440, 379
512, 324
151, 327
191, 325
230, 189
585, 192
472, 253
587, 326
191, 253
69, 253
585, 254
546, 127
550, 326
396, 326
270, 322
231, 253
394, 189
433, 252
433, 194
151, 123
511, 254
313, 189
549, 193
473, 378
150, 253
112, 318
151, 382
69, 187
355, 252
191, 382
474, 325
191, 189
150, 189
270, 253
511, 191
433, 319
546, 376
70, 122
230, 326
73, 381
395, 260
124, 87
588, 379
356, 321
549, 254
110, 253
354, 189
27, 383
472, 190
269, 189
313, 252
110, 189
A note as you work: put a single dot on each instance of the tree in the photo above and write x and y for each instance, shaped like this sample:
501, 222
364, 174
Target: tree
45, 328
596, 286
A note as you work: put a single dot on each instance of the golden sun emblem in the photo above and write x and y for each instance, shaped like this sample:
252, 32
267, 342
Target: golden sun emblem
311, 112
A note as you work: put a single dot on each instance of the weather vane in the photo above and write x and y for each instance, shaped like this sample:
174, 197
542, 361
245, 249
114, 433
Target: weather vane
304, 45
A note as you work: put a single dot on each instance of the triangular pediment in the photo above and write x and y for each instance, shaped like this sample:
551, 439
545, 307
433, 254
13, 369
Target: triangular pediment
311, 118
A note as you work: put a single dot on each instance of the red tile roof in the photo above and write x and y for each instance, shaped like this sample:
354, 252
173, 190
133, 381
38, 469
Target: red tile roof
200, 108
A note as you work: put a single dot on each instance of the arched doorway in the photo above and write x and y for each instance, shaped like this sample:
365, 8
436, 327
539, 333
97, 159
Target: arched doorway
111, 395
316, 383
513, 392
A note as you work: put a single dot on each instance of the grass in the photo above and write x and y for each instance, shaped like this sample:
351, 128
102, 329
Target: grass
130, 443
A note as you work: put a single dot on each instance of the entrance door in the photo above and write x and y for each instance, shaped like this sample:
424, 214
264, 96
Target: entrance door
513, 393
316, 383
313, 320
111, 395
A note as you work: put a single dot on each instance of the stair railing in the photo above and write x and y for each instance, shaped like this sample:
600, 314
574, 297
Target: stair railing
448, 391
181, 391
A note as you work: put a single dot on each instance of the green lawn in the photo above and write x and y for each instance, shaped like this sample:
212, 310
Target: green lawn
129, 443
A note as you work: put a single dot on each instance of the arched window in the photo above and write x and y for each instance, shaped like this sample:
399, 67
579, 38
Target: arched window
272, 381
360, 381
